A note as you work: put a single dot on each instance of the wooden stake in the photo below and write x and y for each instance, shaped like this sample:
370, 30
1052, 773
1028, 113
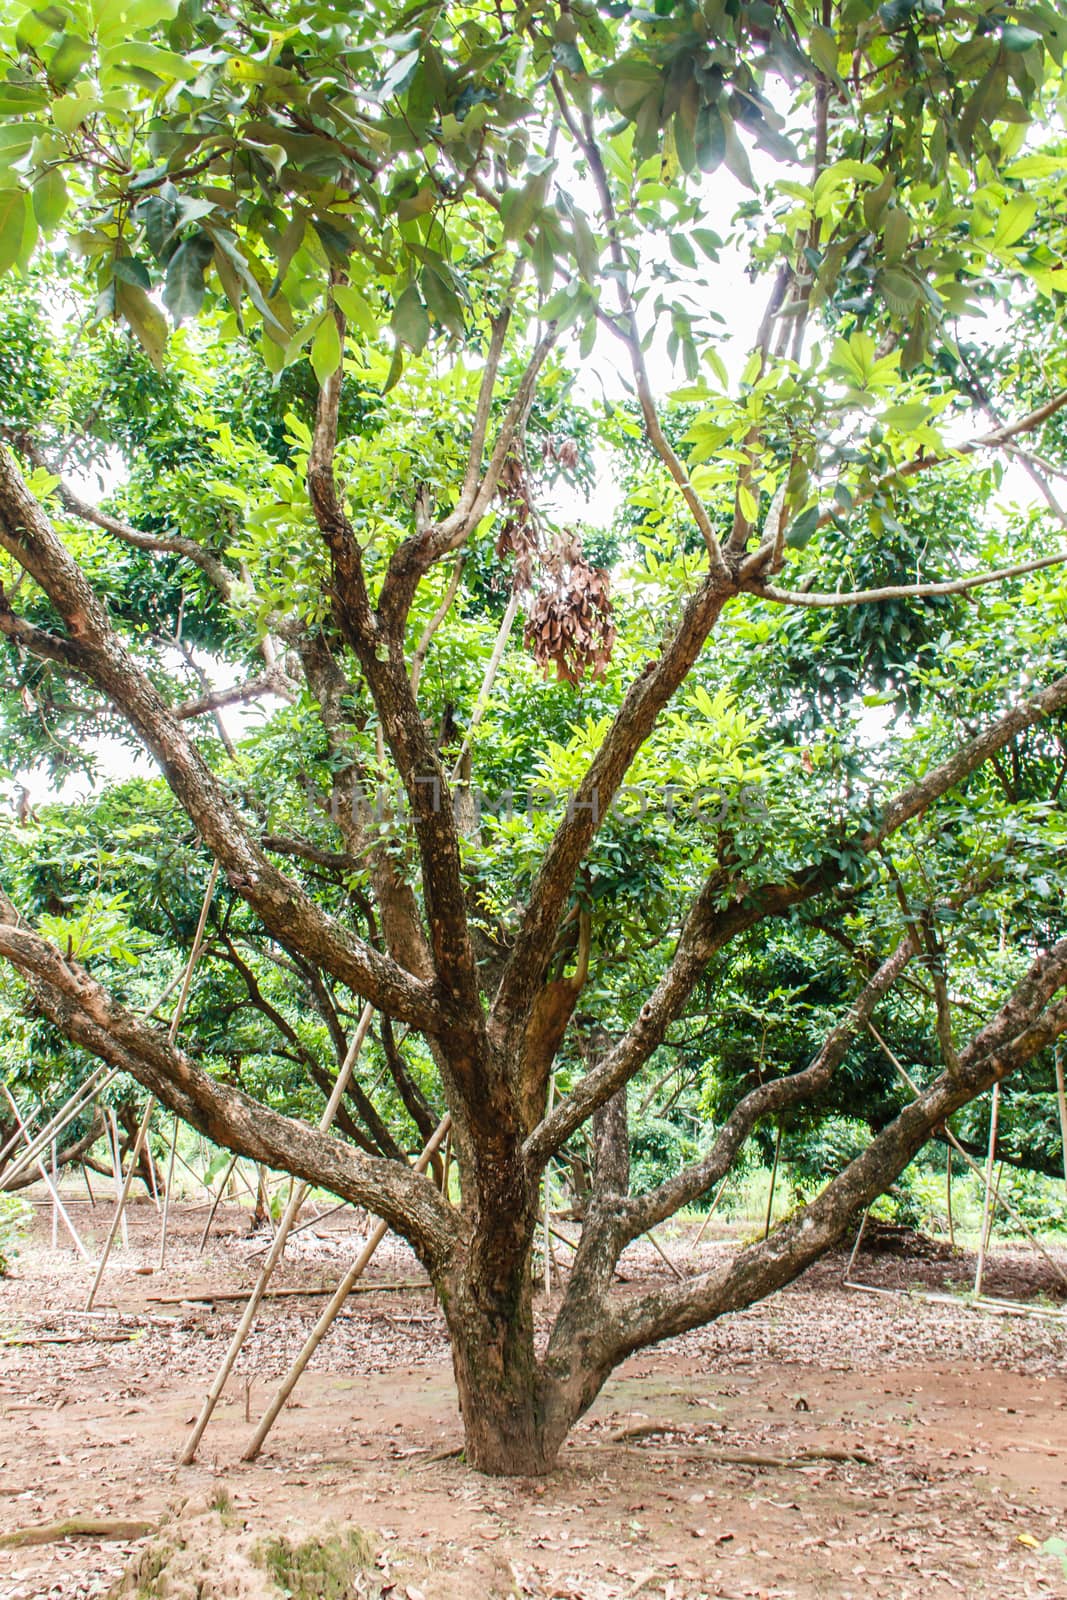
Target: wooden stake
948, 1195
296, 1200
987, 1197
340, 1295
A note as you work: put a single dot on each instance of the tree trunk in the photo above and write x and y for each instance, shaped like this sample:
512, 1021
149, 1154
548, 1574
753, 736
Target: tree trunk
498, 1381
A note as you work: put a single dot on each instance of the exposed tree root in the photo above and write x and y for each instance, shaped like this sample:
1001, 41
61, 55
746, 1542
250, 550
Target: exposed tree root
117, 1528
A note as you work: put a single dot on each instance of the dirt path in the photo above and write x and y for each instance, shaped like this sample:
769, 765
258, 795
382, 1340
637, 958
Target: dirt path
962, 1418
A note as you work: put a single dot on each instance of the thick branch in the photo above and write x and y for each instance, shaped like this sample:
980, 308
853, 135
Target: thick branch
283, 907
710, 926
164, 544
253, 689
1021, 1028
88, 1016
633, 723
768, 1099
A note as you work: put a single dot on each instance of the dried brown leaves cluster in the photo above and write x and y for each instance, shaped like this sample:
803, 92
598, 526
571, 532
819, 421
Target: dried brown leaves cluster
569, 621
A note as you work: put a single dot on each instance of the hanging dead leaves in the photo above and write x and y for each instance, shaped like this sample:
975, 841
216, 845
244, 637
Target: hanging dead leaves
569, 618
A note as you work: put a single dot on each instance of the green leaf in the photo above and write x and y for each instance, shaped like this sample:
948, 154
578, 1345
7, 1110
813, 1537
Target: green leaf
399, 74
822, 47
907, 417
1017, 38
544, 260
837, 177
14, 204
50, 199
899, 289
735, 155
21, 99
183, 293
326, 348
15, 141
586, 251
682, 250
134, 57
709, 138
708, 241
442, 302
896, 233
410, 321
1015, 219
519, 207
396, 368
68, 59
748, 502
144, 318
356, 309
800, 530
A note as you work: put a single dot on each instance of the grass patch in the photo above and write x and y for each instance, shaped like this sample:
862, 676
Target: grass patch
317, 1569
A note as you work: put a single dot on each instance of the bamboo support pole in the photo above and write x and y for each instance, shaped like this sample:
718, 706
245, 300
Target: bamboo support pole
153, 1175
97, 1081
548, 1195
340, 1295
774, 1180
58, 1208
296, 1200
654, 1242
194, 956
969, 1161
720, 1191
216, 1203
846, 1280
948, 1195
142, 1131
987, 1197
124, 1194
1061, 1101
55, 1197
301, 1227
116, 1167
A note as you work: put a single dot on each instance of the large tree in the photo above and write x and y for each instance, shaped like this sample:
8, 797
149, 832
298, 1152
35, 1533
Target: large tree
437, 207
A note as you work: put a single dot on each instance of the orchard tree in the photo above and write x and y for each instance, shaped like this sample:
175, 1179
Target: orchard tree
415, 226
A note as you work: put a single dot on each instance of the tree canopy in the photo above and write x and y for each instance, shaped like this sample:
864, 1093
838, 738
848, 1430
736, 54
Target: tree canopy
584, 697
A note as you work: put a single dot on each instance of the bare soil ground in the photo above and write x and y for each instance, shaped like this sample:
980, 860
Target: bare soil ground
957, 1418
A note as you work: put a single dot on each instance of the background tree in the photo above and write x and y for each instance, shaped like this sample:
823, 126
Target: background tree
429, 211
